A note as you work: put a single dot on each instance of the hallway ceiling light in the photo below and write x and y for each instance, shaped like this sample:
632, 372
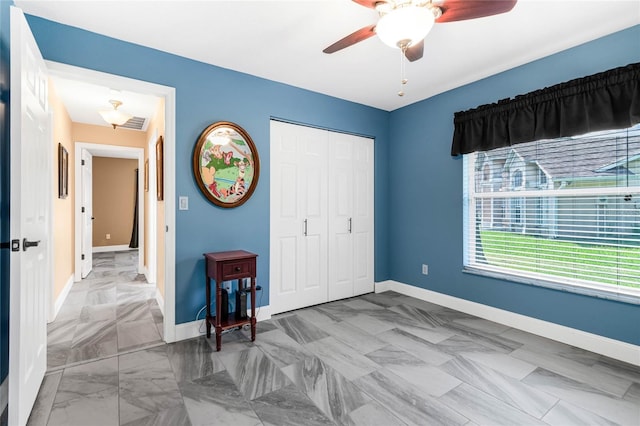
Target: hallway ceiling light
113, 116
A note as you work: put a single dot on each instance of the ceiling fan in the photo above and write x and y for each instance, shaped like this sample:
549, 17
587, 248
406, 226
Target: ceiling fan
404, 24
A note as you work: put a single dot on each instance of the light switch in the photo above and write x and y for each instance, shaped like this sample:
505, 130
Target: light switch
184, 203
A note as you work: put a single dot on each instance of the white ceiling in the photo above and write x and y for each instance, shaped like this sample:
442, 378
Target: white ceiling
84, 100
283, 40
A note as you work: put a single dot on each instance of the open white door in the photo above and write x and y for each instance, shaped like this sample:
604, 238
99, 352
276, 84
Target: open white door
87, 213
31, 171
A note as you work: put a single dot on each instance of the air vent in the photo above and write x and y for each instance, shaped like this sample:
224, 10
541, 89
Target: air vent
135, 123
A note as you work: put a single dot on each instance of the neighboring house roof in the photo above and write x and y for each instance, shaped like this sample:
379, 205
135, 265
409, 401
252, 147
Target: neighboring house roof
606, 158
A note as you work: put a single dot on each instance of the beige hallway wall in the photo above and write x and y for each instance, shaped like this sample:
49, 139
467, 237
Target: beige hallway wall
156, 126
63, 213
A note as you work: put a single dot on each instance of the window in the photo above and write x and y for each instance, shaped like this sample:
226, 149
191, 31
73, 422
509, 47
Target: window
517, 179
576, 226
542, 178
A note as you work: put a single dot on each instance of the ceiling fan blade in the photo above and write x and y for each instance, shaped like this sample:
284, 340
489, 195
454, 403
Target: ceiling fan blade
353, 38
367, 3
415, 52
460, 10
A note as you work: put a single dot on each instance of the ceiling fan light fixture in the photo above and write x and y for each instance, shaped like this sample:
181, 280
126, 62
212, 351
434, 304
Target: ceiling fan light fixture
113, 116
405, 26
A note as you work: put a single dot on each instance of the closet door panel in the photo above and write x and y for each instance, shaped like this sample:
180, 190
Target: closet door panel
298, 275
362, 222
313, 177
340, 219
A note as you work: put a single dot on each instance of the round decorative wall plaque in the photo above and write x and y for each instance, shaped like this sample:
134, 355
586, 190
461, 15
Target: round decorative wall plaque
226, 164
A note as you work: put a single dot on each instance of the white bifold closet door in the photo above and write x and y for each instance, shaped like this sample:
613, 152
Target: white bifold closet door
350, 269
321, 216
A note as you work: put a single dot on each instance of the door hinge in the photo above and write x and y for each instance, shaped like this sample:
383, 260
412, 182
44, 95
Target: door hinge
82, 257
14, 245
82, 162
82, 210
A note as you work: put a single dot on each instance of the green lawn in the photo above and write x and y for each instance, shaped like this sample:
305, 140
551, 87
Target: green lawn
604, 264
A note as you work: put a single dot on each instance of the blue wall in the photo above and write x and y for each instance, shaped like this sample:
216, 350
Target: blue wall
429, 228
205, 94
4, 186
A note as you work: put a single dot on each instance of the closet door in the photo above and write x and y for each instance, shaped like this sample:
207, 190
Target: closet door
298, 276
350, 216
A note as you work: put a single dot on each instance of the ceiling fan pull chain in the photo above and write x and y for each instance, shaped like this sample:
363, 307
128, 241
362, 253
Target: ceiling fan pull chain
403, 69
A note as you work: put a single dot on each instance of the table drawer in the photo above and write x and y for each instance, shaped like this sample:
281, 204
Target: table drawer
237, 269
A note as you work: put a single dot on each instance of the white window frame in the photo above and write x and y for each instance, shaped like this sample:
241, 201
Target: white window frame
472, 198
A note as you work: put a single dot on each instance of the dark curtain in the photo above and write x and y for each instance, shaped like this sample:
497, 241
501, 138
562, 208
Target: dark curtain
604, 101
134, 233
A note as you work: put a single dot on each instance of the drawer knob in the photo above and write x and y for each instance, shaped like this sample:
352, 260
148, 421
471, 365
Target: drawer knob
237, 269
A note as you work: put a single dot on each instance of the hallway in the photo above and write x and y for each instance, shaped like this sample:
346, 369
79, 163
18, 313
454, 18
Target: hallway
110, 312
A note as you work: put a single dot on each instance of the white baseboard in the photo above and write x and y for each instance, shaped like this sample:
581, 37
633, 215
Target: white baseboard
102, 249
62, 297
160, 300
4, 394
197, 328
592, 342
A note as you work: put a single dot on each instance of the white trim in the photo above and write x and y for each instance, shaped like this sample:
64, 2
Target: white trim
169, 94
152, 204
4, 394
50, 290
105, 249
170, 215
189, 330
145, 272
113, 151
160, 300
592, 342
61, 298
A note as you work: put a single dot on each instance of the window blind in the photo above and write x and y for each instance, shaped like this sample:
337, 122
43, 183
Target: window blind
565, 210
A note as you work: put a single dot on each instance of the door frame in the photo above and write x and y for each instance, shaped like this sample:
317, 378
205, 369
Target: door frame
110, 151
152, 223
169, 95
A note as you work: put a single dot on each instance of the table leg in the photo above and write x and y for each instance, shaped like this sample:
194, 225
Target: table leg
218, 338
253, 308
208, 315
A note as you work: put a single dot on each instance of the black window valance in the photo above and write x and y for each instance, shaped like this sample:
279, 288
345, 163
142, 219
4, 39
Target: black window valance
603, 101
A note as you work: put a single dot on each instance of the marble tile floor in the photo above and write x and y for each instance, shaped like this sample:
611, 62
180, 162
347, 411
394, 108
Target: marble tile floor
378, 359
113, 310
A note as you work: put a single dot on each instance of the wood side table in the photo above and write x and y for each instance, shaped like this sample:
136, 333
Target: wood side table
228, 266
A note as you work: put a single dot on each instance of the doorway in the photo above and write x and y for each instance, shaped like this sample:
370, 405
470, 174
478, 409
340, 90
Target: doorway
84, 152
166, 273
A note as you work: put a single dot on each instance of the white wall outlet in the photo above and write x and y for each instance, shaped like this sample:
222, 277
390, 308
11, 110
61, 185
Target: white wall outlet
184, 203
107, 236
425, 269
